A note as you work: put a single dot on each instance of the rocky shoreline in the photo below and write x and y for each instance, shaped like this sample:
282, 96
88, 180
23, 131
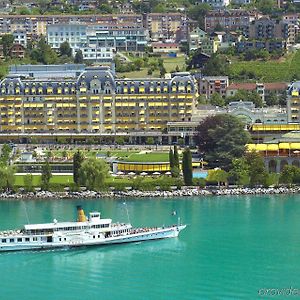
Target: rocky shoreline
187, 192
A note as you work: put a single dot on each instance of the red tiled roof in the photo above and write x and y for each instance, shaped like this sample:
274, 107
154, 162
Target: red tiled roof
252, 86
276, 86
164, 45
242, 86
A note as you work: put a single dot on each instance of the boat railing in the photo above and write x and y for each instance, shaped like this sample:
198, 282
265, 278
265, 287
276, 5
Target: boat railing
10, 232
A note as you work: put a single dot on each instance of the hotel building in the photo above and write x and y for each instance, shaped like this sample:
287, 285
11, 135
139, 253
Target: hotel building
47, 101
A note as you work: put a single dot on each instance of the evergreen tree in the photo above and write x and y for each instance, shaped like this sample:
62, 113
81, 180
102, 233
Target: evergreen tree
28, 182
187, 167
46, 175
176, 157
171, 158
175, 162
77, 161
78, 57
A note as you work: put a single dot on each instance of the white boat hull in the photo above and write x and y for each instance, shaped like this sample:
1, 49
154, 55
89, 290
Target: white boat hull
83, 241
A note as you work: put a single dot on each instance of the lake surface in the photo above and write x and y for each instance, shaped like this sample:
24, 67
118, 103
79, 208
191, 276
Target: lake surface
232, 248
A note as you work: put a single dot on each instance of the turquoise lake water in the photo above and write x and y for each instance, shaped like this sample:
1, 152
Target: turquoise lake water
232, 248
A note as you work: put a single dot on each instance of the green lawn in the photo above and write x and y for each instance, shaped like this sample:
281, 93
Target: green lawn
92, 153
148, 157
143, 73
61, 179
284, 69
170, 63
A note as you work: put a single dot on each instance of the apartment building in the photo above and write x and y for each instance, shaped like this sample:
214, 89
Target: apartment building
291, 18
164, 26
269, 45
74, 100
266, 29
37, 24
214, 3
229, 19
263, 89
195, 38
208, 85
122, 37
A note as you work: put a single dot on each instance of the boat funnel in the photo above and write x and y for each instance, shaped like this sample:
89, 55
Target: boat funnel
80, 214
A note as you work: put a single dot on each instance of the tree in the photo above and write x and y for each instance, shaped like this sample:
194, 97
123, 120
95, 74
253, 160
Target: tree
43, 6
198, 12
7, 177
65, 49
105, 8
120, 140
138, 64
187, 167
217, 175
28, 182
93, 173
217, 65
78, 159
289, 175
43, 53
217, 100
239, 173
265, 6
175, 169
257, 170
150, 141
162, 71
78, 57
242, 95
7, 41
176, 157
272, 99
171, 158
5, 154
219, 27
221, 139
46, 175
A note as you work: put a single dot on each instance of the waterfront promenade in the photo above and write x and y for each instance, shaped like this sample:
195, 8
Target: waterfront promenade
186, 192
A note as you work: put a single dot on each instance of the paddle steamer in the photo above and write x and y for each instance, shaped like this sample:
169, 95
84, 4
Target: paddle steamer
91, 231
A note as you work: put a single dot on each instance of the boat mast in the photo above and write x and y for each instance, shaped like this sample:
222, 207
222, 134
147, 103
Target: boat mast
127, 211
25, 208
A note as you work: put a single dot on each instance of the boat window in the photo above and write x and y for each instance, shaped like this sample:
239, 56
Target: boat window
27, 239
34, 239
11, 240
3, 240
19, 239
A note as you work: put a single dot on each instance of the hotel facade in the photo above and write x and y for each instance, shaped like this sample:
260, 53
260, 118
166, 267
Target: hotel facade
91, 102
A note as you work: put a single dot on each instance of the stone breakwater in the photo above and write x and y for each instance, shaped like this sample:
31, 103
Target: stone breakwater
191, 192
